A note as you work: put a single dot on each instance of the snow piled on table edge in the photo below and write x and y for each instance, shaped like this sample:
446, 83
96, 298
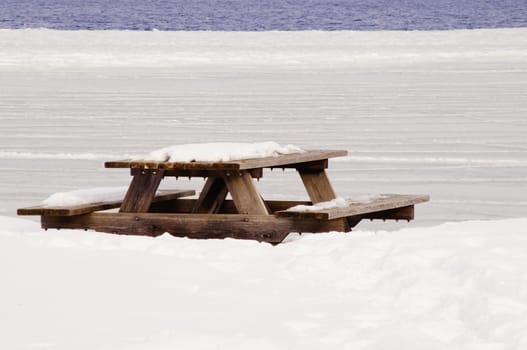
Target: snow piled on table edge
85, 196
198, 152
220, 151
339, 202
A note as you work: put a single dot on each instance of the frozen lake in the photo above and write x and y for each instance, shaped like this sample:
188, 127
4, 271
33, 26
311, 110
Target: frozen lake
439, 113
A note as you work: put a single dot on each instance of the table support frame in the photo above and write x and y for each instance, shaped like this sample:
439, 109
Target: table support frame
147, 211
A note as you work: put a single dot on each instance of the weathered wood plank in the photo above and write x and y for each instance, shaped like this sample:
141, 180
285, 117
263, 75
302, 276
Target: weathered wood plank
403, 213
296, 158
161, 196
244, 164
141, 191
314, 165
265, 228
212, 196
244, 193
227, 207
366, 210
317, 185
255, 173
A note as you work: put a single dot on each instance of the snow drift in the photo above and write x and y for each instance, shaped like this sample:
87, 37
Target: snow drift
453, 286
441, 113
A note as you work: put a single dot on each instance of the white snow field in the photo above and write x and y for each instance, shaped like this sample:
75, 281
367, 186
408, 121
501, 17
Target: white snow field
452, 286
439, 113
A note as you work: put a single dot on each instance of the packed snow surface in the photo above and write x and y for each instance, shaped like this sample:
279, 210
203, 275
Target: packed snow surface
452, 286
220, 151
338, 202
85, 196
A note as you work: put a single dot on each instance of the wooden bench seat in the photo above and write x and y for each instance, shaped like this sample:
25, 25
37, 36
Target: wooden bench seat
162, 195
392, 206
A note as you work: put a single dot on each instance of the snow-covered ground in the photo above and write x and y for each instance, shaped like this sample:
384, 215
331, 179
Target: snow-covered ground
452, 286
439, 113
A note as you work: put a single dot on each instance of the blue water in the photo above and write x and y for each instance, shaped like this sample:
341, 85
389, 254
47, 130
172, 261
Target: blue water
258, 15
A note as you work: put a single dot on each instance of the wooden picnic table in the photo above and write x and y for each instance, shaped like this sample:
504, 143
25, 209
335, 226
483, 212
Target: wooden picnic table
147, 211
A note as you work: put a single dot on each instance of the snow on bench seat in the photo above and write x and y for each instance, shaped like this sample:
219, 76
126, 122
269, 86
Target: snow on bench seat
340, 207
97, 205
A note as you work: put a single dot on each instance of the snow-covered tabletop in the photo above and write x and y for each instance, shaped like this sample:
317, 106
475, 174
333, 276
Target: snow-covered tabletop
224, 155
229, 169
220, 152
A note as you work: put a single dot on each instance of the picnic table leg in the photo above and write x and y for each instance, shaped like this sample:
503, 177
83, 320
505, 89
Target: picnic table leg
212, 196
319, 189
317, 185
244, 193
141, 191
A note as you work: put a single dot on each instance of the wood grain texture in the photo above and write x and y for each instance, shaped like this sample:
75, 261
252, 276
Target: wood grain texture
141, 191
255, 173
212, 196
367, 209
319, 188
402, 213
244, 193
285, 160
161, 196
317, 185
184, 205
314, 165
265, 228
227, 207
